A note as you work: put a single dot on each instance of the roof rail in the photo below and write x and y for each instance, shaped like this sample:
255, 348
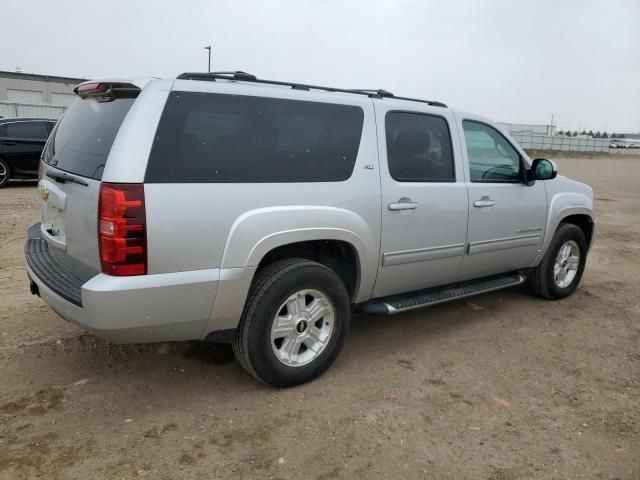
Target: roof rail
373, 93
247, 77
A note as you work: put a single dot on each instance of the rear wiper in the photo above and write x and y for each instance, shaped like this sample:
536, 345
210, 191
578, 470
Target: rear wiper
63, 177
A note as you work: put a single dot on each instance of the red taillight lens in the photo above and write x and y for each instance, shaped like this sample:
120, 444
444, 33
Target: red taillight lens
89, 87
122, 238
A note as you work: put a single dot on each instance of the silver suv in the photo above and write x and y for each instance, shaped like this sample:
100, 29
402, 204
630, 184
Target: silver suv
227, 208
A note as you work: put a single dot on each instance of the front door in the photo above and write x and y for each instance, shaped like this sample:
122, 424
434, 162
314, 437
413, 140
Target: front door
506, 217
424, 198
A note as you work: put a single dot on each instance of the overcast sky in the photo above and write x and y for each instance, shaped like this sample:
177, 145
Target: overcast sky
513, 61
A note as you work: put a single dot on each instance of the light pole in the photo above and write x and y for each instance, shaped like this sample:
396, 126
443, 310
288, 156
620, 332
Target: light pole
209, 64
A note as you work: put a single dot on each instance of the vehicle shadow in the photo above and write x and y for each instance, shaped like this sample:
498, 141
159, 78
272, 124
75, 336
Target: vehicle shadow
369, 338
371, 334
22, 183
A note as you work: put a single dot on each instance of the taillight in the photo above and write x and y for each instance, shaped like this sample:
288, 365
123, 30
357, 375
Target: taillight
88, 88
122, 238
106, 91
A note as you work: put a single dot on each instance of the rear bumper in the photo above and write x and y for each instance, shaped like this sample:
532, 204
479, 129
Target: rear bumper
62, 273
140, 309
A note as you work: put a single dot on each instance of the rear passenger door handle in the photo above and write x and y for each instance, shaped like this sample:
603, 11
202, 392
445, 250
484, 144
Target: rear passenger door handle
403, 204
484, 202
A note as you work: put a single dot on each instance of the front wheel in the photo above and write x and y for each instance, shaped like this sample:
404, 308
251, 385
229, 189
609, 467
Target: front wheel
294, 322
561, 268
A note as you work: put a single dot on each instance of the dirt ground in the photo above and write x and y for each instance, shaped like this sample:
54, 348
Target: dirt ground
502, 386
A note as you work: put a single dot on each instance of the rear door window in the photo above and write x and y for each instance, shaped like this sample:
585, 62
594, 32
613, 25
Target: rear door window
81, 141
419, 148
216, 138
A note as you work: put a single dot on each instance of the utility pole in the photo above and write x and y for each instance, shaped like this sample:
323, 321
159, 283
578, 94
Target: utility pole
209, 64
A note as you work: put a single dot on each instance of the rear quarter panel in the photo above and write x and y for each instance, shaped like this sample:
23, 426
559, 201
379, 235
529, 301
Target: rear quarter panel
129, 153
232, 225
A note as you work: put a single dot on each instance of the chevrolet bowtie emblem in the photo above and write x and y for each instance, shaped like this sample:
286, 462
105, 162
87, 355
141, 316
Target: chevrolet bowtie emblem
44, 193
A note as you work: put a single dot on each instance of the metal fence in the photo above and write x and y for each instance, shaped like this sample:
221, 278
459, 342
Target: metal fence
570, 144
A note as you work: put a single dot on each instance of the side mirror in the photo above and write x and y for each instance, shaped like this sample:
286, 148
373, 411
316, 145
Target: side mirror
543, 169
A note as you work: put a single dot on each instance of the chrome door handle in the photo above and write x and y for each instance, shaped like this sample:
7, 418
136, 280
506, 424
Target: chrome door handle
484, 202
403, 204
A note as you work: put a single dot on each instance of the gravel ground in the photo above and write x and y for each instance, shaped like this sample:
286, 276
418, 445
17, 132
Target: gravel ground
502, 386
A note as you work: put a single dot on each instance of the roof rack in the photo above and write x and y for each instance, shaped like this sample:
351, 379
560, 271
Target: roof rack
247, 77
373, 93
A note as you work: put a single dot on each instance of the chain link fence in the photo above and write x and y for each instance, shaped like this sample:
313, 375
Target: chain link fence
568, 144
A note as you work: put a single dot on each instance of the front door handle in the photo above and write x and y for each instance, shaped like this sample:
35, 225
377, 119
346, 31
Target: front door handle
403, 204
485, 201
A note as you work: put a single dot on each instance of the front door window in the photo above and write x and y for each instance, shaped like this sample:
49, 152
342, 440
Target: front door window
492, 158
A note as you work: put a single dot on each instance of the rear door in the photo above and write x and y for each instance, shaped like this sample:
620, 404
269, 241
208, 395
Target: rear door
424, 198
73, 162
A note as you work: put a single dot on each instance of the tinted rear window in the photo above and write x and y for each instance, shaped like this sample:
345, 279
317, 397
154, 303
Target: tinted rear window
419, 148
214, 138
82, 139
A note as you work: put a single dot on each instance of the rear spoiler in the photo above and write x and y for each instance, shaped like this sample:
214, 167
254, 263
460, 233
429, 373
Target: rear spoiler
105, 91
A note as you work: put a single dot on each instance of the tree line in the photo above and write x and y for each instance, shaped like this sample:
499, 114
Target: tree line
568, 133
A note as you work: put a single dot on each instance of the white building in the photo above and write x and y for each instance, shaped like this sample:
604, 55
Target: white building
528, 129
31, 95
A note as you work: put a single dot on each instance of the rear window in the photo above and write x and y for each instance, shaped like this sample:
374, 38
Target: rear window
216, 138
81, 141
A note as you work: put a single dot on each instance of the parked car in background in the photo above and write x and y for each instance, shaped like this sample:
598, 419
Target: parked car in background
21, 144
223, 207
617, 144
634, 145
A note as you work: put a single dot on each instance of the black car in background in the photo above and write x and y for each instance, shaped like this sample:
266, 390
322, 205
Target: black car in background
21, 144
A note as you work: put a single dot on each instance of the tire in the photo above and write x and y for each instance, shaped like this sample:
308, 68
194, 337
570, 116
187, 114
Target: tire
543, 281
277, 291
5, 173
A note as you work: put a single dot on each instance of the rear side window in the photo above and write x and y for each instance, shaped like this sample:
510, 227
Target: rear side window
419, 148
81, 141
215, 138
27, 130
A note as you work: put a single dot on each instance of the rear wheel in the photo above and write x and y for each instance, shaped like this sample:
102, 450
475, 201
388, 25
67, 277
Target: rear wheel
560, 270
5, 173
294, 323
